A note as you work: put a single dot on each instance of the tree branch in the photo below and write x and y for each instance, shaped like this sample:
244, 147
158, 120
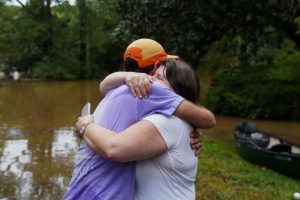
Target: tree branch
25, 8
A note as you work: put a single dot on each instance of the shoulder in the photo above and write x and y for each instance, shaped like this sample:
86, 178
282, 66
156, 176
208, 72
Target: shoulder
158, 119
122, 89
118, 96
169, 124
158, 88
162, 92
170, 128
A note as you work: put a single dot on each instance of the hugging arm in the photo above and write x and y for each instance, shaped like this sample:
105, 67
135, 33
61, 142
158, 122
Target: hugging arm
139, 84
197, 115
139, 141
132, 79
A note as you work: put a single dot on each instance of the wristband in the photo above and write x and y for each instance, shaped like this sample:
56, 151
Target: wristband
83, 127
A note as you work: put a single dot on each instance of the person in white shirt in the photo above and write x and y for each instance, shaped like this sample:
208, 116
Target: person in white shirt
170, 175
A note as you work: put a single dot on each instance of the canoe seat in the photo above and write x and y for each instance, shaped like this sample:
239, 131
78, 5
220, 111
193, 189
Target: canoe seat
281, 148
257, 135
295, 150
260, 139
273, 141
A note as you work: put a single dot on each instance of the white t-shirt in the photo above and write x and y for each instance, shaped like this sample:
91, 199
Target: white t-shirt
172, 174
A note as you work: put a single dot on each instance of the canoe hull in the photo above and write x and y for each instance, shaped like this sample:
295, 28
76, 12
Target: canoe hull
267, 150
282, 163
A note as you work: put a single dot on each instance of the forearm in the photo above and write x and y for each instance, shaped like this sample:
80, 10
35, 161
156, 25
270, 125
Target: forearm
101, 140
140, 141
112, 81
197, 115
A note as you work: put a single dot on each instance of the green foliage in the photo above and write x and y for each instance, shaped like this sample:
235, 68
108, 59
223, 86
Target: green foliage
93, 34
260, 91
15, 43
4, 69
188, 28
297, 21
37, 38
103, 54
60, 68
221, 55
62, 62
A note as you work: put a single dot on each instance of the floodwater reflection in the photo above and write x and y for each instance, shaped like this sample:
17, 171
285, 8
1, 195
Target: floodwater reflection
14, 159
37, 143
15, 156
31, 172
64, 144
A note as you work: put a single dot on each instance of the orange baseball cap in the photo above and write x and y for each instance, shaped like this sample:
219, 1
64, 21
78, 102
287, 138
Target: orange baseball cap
146, 52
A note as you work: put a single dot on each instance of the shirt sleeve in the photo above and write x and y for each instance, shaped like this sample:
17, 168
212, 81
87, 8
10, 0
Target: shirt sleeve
162, 100
168, 127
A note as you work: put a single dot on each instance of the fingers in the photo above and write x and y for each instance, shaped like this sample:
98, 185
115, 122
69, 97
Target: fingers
197, 152
196, 141
131, 87
78, 124
140, 85
196, 147
147, 81
130, 82
82, 120
134, 87
139, 88
144, 86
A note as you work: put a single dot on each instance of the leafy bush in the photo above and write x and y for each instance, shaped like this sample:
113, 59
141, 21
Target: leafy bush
58, 69
262, 91
4, 68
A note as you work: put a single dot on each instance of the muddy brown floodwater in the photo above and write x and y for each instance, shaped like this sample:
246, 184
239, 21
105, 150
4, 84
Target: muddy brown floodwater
37, 143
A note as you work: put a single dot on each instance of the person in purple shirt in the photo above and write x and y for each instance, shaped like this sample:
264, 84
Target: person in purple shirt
94, 177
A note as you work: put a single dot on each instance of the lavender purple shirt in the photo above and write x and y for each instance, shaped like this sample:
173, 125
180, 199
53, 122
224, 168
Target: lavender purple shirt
93, 176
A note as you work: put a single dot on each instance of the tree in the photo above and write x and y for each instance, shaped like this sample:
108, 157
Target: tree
190, 27
83, 13
99, 51
59, 40
17, 47
39, 11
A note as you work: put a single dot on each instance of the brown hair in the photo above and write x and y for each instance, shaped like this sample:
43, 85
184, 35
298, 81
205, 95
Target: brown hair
182, 79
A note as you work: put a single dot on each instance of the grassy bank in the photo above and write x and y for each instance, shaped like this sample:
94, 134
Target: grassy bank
223, 175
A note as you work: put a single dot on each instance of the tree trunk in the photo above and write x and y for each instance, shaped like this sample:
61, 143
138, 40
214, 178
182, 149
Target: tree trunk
82, 37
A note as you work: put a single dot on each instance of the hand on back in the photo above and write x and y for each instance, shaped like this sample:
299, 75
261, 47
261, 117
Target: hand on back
139, 84
196, 141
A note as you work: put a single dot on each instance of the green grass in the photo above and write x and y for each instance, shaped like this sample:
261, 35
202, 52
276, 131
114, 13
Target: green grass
223, 175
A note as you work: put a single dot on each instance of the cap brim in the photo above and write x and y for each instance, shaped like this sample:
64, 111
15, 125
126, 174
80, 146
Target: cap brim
172, 56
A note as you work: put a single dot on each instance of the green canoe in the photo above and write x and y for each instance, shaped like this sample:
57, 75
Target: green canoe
266, 150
